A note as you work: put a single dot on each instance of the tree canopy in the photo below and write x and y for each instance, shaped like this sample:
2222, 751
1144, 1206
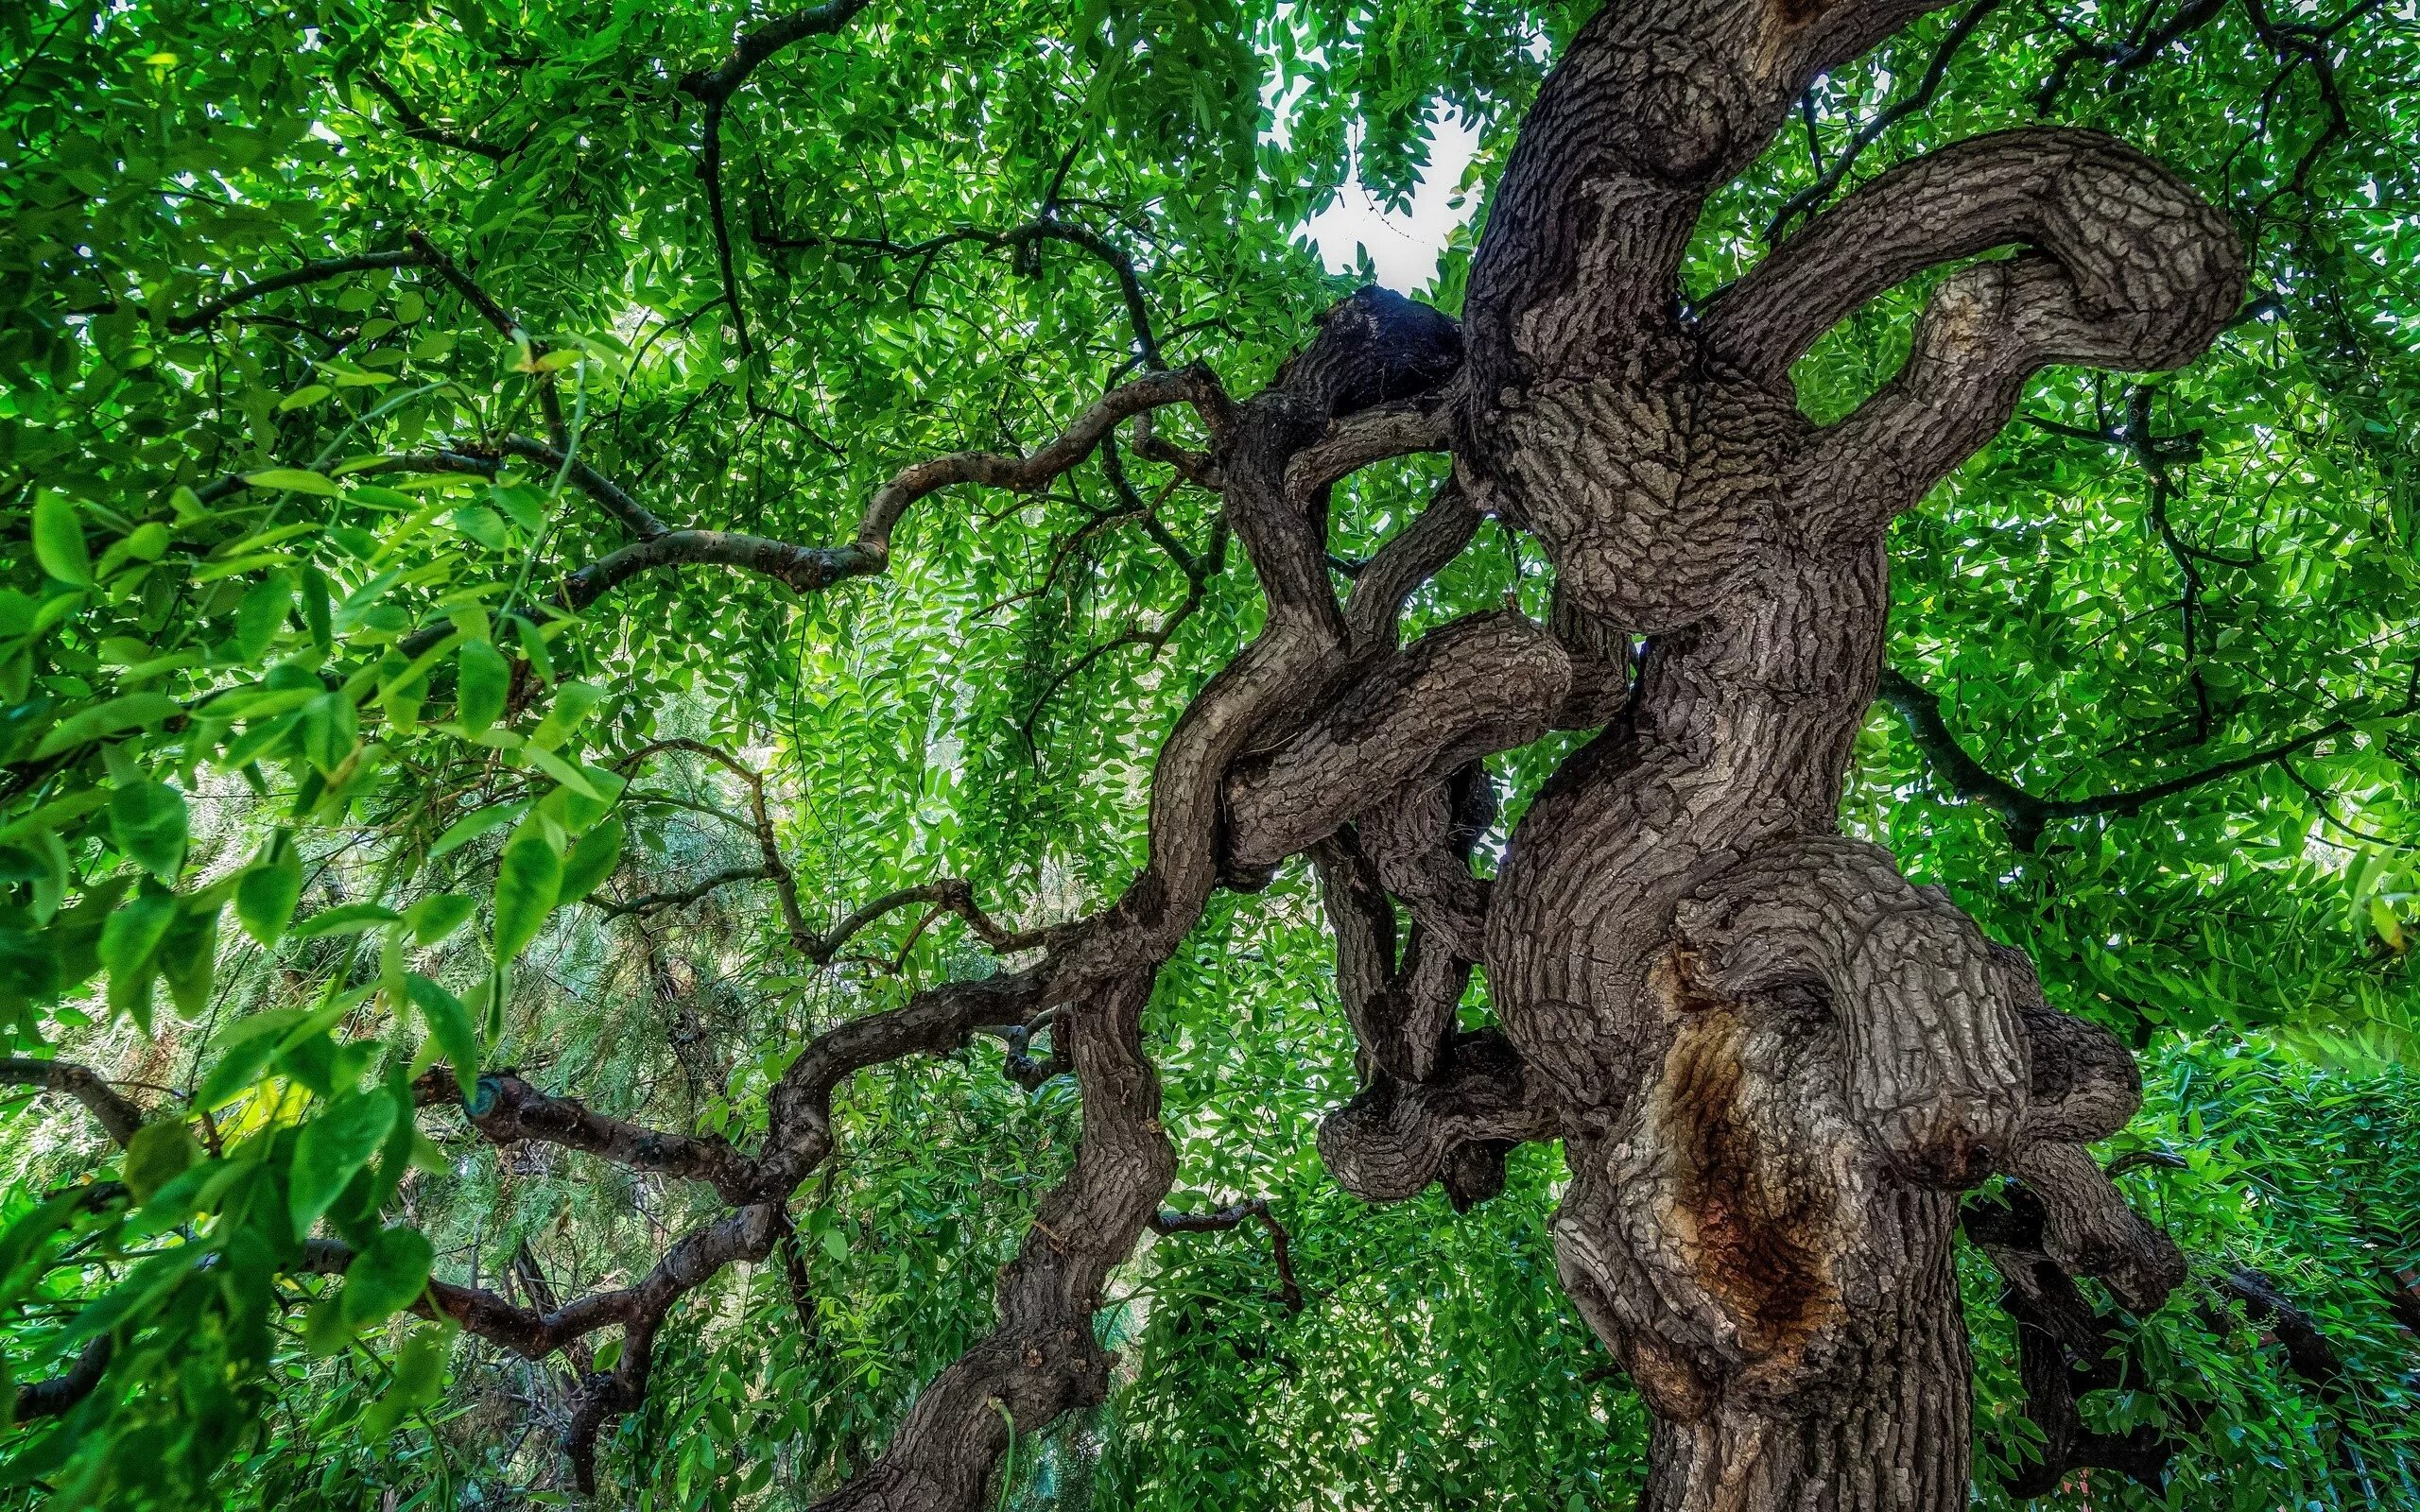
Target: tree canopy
585, 591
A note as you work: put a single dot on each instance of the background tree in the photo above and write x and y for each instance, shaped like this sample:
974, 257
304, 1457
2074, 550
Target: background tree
869, 760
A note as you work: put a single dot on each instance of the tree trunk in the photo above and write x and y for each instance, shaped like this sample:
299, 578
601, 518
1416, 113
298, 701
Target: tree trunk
1775, 1064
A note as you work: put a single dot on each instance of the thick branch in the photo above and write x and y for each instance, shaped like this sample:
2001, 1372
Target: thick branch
1933, 1047
116, 1112
1393, 1138
1483, 685
507, 1109
60, 1393
717, 84
1806, 200
2156, 272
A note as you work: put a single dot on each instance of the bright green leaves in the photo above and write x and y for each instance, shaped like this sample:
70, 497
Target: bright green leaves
128, 950
486, 680
482, 524
147, 820
269, 890
160, 1152
450, 1029
419, 1378
439, 915
573, 702
331, 1150
387, 1275
329, 728
262, 612
294, 479
135, 711
59, 539
591, 861
528, 881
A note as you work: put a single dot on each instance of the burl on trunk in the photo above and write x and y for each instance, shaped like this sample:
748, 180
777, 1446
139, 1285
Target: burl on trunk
1774, 1062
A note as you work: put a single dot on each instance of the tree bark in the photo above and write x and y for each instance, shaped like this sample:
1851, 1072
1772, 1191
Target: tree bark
1774, 1063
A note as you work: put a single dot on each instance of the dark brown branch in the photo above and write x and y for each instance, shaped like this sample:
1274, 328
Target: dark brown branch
1255, 1210
1483, 685
2065, 1349
747, 1234
505, 325
953, 894
2152, 272
2125, 57
805, 568
293, 278
720, 82
2309, 1353
2027, 815
116, 1112
60, 1393
680, 897
486, 459
934, 1021
713, 89
418, 128
508, 1109
1115, 258
772, 866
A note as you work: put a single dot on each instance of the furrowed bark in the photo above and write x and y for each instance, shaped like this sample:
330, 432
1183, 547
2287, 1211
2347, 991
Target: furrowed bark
1774, 1063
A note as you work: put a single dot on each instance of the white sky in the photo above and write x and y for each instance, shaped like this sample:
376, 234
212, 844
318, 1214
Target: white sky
1404, 248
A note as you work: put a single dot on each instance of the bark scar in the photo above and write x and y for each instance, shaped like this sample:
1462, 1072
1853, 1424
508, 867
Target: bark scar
1754, 1237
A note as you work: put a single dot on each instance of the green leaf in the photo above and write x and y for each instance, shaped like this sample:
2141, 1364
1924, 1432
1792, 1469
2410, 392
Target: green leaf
147, 822
317, 612
331, 1147
526, 887
297, 479
128, 942
474, 824
386, 1276
330, 727
346, 918
160, 1152
419, 1376
59, 539
573, 701
591, 861
262, 611
485, 680
245, 1050
439, 915
269, 888
449, 1024
483, 525
188, 957
133, 709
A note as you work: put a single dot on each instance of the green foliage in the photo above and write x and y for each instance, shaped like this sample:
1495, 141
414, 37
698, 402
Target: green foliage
269, 644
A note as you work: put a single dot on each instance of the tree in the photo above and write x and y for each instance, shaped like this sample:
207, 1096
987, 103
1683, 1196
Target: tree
279, 527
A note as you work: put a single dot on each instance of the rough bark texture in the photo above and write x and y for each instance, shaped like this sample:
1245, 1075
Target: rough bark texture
1775, 1064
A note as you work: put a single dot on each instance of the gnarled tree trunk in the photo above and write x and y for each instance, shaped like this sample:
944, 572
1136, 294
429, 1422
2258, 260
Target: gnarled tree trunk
1774, 1063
